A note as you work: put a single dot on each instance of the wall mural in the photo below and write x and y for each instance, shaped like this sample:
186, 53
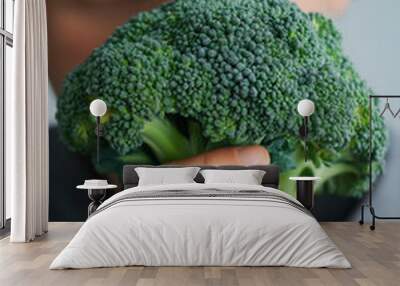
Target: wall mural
218, 82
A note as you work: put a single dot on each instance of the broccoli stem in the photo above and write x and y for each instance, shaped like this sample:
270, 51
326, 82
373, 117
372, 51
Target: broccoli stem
135, 158
166, 141
326, 173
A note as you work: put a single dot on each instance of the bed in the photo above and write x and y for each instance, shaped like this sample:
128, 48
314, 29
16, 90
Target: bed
198, 224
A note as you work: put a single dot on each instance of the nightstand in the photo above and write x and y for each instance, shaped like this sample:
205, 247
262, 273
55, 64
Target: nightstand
305, 191
96, 195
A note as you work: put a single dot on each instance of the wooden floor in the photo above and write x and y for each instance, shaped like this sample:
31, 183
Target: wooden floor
375, 257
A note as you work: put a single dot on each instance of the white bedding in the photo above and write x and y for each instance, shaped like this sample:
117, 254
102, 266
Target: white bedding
188, 231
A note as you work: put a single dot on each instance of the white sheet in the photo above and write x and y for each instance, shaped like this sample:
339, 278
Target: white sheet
200, 231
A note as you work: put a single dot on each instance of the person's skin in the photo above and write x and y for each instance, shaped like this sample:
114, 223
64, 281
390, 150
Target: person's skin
326, 7
76, 27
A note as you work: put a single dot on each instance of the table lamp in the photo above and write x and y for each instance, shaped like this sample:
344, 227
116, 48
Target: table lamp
305, 108
98, 108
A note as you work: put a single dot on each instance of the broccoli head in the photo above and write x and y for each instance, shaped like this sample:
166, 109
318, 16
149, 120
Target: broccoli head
195, 75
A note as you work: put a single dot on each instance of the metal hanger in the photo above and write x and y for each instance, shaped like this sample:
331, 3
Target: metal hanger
388, 108
397, 113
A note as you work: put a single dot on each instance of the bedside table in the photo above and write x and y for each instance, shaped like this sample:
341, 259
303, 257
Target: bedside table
96, 195
304, 190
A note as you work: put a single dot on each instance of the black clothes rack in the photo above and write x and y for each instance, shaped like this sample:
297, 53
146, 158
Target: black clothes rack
370, 205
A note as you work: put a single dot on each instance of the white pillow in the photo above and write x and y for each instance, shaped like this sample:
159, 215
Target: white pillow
247, 177
165, 176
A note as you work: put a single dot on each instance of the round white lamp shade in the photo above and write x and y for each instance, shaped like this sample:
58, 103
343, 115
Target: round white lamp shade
98, 107
306, 107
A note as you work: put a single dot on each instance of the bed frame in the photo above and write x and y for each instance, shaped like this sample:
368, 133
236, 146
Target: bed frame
271, 177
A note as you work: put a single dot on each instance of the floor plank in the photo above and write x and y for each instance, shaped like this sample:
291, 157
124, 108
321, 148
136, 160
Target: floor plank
375, 257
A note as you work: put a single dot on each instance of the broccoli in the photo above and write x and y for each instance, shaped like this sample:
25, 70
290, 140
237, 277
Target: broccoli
192, 76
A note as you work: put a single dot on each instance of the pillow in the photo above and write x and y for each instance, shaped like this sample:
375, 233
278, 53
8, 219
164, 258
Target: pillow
248, 177
165, 175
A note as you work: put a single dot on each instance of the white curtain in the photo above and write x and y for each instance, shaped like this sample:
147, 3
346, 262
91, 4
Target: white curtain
26, 124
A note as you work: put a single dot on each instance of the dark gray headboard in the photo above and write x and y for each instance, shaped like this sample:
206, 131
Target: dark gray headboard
271, 177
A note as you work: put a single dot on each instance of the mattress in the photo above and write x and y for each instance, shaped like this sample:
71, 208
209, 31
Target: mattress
201, 225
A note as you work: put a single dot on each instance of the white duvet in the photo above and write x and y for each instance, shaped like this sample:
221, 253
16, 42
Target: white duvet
202, 231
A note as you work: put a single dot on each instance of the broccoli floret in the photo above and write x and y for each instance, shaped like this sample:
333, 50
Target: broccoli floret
195, 75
